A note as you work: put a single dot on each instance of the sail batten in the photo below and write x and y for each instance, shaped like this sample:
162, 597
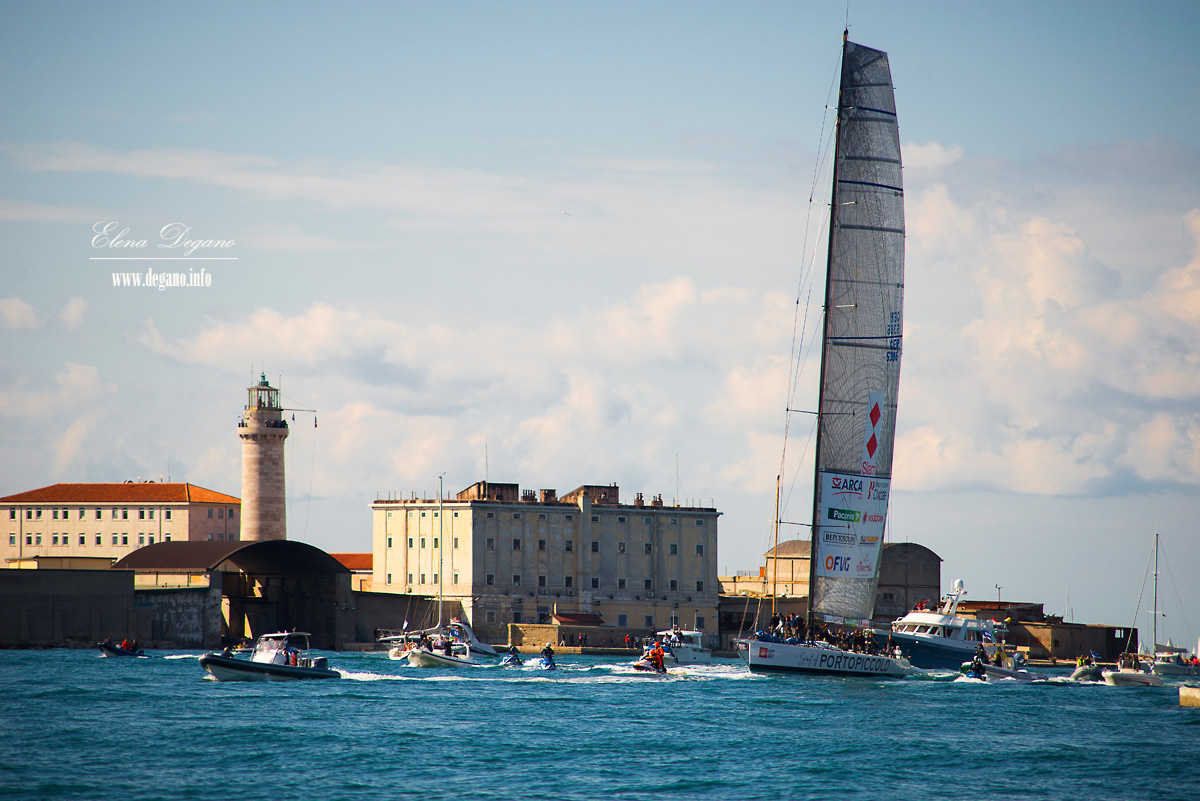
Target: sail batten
861, 343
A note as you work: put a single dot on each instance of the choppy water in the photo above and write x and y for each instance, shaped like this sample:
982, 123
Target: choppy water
77, 726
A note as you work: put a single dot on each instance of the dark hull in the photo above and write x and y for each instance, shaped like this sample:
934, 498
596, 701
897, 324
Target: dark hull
108, 649
227, 668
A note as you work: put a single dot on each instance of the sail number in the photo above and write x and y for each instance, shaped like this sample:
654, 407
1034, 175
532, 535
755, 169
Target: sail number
893, 330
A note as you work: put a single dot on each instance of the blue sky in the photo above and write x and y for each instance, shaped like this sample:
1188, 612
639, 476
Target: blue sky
572, 236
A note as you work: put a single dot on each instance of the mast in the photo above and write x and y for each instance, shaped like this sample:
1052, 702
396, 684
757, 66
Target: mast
775, 570
441, 545
816, 512
1154, 620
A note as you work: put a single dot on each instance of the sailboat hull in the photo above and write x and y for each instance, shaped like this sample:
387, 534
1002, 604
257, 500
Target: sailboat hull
760, 655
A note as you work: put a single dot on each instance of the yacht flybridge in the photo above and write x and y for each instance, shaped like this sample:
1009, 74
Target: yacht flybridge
943, 639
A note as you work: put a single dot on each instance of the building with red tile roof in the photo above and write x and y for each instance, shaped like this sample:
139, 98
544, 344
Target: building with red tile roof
110, 520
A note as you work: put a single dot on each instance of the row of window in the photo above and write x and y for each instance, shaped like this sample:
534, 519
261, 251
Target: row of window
65, 539
143, 513
568, 545
568, 581
648, 520
622, 620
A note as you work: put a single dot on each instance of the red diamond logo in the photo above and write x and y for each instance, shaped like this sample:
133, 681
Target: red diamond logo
875, 415
872, 444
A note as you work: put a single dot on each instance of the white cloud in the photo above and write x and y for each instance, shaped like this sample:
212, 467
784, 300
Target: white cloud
17, 314
78, 387
930, 155
72, 313
69, 450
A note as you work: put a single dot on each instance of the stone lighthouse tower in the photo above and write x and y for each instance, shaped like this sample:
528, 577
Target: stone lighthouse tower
263, 430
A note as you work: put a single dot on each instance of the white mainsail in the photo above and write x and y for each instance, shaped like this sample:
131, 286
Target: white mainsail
860, 361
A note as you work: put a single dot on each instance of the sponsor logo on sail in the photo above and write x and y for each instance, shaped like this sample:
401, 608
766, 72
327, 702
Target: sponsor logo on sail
845, 515
868, 539
838, 537
837, 564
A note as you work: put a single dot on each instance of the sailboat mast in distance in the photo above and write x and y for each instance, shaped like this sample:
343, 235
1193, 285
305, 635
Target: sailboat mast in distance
861, 343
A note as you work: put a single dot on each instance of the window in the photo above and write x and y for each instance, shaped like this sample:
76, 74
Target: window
230, 514
142, 513
674, 549
620, 584
569, 546
210, 514
649, 548
700, 622
422, 578
435, 578
435, 514
541, 545
570, 517
516, 580
491, 543
455, 581
55, 514
150, 539
456, 542
38, 540
700, 549
595, 518
516, 515
411, 513
490, 617
98, 514
595, 546
649, 584
410, 542
647, 520
423, 542
648, 621
221, 513
12, 514
389, 542
166, 514
150, 513
141, 539
98, 540
389, 514
435, 542
410, 581
541, 516
620, 547
700, 584
389, 575
516, 544
595, 582
12, 539
699, 522
55, 540
456, 515
516, 617
622, 620
674, 585
674, 521
422, 514
124, 539
490, 580
491, 515
541, 581
569, 581
621, 518
29, 539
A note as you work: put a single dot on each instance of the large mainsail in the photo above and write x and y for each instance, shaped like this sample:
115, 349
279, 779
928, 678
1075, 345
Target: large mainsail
860, 361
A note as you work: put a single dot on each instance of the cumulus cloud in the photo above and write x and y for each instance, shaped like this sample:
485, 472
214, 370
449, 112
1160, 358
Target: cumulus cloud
72, 313
16, 314
77, 387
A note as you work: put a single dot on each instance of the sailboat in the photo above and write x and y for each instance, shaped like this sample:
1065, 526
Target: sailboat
859, 381
1130, 672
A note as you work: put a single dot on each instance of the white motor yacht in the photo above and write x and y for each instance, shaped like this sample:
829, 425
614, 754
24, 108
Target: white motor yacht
943, 639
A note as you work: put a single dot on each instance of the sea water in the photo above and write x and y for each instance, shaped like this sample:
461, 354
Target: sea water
78, 726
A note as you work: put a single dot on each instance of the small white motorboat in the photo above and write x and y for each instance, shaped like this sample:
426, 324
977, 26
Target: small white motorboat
1130, 673
433, 657
281, 656
680, 647
1015, 669
1172, 664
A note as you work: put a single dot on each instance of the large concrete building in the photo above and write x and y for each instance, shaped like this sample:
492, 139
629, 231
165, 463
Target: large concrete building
109, 520
510, 556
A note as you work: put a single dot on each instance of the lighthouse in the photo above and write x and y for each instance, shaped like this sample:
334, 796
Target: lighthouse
262, 430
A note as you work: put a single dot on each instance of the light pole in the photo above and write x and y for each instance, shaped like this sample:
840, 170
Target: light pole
998, 588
